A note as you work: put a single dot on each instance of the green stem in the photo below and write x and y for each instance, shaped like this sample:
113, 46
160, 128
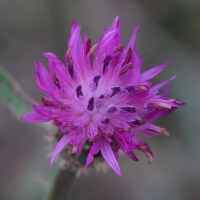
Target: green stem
62, 185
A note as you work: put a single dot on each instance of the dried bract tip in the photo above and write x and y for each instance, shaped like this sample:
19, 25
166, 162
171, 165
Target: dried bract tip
164, 132
149, 156
143, 148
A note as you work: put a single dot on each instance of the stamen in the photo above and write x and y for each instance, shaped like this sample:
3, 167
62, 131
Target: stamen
119, 48
96, 80
54, 77
130, 88
143, 88
91, 104
115, 91
129, 109
112, 109
71, 68
105, 121
63, 106
163, 105
92, 51
69, 57
56, 122
127, 129
88, 46
106, 63
79, 91
128, 56
125, 69
46, 102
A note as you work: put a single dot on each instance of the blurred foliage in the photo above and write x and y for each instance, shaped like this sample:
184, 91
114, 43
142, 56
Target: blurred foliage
12, 95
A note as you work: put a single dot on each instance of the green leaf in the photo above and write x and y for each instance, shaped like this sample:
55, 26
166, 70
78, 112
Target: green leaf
13, 95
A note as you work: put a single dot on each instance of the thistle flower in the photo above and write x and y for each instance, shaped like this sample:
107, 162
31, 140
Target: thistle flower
102, 97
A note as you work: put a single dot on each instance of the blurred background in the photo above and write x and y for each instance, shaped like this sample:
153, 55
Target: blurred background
169, 30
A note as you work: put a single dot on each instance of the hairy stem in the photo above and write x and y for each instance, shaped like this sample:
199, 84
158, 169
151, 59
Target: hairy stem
62, 185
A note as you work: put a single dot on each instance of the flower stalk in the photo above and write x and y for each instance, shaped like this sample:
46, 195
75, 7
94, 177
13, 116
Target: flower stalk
62, 185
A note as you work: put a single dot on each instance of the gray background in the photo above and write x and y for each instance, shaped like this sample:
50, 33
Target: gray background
169, 30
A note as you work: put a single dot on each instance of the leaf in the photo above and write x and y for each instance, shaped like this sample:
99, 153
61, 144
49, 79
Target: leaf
13, 95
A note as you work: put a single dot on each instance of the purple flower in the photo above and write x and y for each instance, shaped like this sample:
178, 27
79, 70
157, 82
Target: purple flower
102, 97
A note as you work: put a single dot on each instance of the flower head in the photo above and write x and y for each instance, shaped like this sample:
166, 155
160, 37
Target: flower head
102, 97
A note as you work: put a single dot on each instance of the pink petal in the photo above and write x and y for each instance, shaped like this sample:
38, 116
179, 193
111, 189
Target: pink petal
61, 144
109, 156
152, 72
115, 24
105, 40
132, 40
93, 151
132, 156
43, 79
160, 85
34, 117
159, 112
166, 92
56, 65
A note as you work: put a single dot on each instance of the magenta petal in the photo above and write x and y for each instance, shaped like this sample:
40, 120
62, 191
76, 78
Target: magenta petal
133, 39
158, 113
56, 65
152, 72
137, 70
132, 156
109, 156
75, 39
105, 40
43, 79
166, 92
34, 117
115, 24
93, 151
160, 85
61, 144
